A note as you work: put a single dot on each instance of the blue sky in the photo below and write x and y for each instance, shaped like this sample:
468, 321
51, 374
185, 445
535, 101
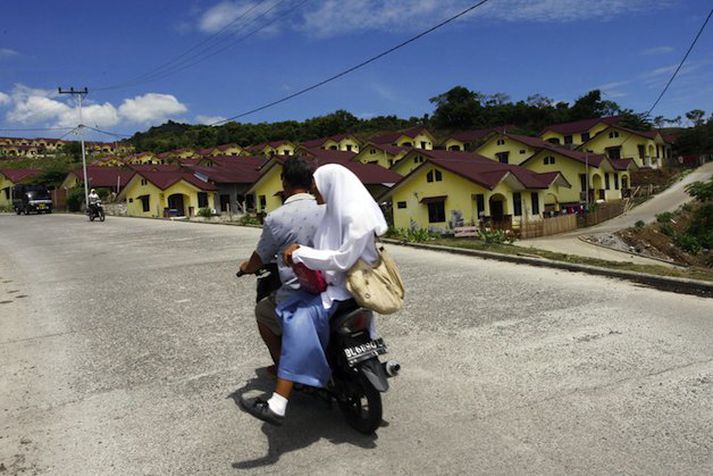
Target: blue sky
558, 48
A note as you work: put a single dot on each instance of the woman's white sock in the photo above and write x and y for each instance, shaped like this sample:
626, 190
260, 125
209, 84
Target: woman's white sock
278, 404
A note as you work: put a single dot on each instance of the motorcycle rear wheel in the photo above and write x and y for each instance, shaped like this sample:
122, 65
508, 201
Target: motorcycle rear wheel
362, 407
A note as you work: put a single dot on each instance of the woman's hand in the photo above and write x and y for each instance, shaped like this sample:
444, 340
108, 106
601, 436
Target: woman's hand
287, 253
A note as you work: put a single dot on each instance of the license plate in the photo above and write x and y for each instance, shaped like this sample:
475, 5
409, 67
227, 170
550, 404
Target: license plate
367, 350
41, 205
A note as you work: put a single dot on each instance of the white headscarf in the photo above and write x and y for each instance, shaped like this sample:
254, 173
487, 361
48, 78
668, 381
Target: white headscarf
351, 211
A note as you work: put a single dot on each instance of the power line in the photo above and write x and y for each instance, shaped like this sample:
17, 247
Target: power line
353, 68
177, 57
201, 55
114, 134
680, 65
37, 129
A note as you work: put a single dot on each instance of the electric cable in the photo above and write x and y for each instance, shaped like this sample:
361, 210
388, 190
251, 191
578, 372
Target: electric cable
353, 68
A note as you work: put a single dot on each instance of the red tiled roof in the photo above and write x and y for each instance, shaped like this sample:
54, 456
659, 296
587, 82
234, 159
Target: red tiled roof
245, 170
369, 174
106, 176
477, 134
165, 178
622, 164
18, 175
391, 137
319, 142
485, 171
577, 127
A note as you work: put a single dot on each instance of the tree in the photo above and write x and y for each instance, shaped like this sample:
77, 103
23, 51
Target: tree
696, 116
458, 108
591, 105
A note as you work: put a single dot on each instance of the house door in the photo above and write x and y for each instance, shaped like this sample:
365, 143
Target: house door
224, 202
175, 202
496, 210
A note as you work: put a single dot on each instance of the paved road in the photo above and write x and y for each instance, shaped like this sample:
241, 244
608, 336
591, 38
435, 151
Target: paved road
668, 200
123, 344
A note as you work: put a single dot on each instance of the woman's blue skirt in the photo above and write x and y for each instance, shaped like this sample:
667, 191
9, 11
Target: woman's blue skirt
305, 335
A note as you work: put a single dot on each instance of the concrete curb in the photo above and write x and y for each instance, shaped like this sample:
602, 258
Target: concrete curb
640, 255
665, 283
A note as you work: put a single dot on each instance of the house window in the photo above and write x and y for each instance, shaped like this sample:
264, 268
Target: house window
642, 151
349, 147
567, 139
585, 136
391, 162
400, 204
144, 181
406, 144
583, 182
503, 157
423, 145
613, 134
522, 151
437, 212
434, 176
553, 140
372, 151
613, 152
480, 204
333, 147
517, 204
501, 141
439, 176
535, 203
606, 181
418, 159
145, 205
202, 200
549, 160
373, 162
429, 176
616, 181
263, 202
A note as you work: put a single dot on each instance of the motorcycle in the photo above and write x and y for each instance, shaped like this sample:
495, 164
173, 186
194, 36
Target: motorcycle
96, 210
358, 376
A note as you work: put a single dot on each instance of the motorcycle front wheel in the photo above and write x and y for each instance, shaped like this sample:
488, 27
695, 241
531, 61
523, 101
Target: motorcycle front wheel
101, 216
361, 406
91, 217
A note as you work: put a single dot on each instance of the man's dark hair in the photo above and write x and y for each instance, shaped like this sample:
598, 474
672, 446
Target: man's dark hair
296, 173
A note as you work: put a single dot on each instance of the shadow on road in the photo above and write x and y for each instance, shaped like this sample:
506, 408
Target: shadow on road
309, 419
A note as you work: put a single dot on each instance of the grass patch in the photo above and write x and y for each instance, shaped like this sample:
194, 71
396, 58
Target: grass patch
690, 273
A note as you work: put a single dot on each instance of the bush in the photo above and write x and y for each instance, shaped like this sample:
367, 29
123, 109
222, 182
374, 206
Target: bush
639, 224
75, 198
667, 229
664, 217
494, 237
688, 243
415, 235
249, 220
205, 212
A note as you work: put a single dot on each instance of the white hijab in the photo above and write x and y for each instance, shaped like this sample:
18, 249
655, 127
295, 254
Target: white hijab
351, 212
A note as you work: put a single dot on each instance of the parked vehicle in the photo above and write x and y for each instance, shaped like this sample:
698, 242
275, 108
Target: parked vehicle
358, 376
31, 199
96, 210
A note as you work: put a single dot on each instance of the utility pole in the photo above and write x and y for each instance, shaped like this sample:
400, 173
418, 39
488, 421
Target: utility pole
586, 180
80, 93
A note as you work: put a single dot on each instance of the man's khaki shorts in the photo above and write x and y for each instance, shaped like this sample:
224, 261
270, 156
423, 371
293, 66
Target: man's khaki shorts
265, 314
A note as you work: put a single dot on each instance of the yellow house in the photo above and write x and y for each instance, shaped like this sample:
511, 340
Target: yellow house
166, 192
231, 150
466, 141
508, 148
646, 148
143, 158
450, 189
267, 190
11, 177
385, 155
576, 132
605, 179
343, 142
278, 147
417, 137
110, 161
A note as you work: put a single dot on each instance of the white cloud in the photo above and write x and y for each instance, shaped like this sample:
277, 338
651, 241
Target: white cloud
657, 50
205, 120
46, 107
337, 17
7, 53
222, 14
151, 108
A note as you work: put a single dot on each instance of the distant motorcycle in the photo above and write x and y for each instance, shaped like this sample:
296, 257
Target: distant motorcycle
96, 210
358, 377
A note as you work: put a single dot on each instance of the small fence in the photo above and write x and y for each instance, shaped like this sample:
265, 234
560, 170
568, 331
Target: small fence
548, 226
602, 212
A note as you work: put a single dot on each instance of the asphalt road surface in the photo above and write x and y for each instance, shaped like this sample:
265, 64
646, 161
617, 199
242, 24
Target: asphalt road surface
123, 346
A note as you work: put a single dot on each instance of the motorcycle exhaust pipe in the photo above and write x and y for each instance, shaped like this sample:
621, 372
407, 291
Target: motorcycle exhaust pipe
391, 368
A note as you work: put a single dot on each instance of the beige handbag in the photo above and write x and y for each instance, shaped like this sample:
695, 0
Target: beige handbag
377, 287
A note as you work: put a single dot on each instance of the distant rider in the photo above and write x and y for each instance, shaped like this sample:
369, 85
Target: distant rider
93, 199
